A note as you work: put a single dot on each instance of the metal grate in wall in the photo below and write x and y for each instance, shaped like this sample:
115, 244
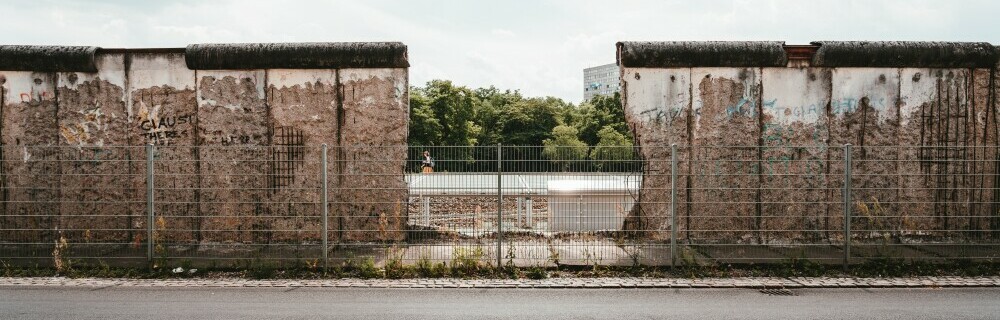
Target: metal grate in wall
286, 157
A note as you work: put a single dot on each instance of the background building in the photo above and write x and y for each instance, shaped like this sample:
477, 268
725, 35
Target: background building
600, 80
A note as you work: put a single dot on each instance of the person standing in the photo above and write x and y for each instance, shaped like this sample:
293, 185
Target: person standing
428, 163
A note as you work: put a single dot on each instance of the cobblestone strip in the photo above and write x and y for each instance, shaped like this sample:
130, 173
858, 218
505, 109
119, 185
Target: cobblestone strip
753, 283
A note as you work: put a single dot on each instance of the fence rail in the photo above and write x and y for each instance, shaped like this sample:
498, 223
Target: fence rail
503, 205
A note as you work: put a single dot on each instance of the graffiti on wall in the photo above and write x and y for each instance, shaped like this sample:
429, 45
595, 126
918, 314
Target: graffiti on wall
157, 129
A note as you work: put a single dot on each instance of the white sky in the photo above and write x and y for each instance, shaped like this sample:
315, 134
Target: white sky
539, 47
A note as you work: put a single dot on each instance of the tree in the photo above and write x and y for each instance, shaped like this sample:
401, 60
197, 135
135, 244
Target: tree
443, 114
594, 115
494, 114
425, 127
564, 148
613, 151
453, 108
530, 121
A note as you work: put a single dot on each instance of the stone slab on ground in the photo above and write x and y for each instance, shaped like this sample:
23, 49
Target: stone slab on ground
592, 252
966, 251
658, 255
739, 253
529, 253
821, 254
859, 251
448, 253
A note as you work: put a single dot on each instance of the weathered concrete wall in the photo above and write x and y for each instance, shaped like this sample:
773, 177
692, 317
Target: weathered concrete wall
238, 131
795, 154
163, 112
658, 108
985, 199
374, 118
99, 183
918, 92
991, 121
724, 139
943, 110
864, 113
233, 139
304, 107
921, 118
31, 161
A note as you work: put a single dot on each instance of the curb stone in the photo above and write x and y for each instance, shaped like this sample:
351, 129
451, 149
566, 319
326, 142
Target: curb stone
554, 283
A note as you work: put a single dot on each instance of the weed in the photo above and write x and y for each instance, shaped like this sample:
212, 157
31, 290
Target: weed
510, 269
874, 267
424, 265
511, 255
336, 271
440, 269
367, 269
537, 272
159, 250
394, 268
8, 271
311, 265
801, 267
633, 251
879, 223
105, 269
686, 257
553, 254
259, 270
466, 262
63, 265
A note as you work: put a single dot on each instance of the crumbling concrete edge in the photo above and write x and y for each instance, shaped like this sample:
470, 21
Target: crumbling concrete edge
48, 58
909, 54
308, 55
686, 54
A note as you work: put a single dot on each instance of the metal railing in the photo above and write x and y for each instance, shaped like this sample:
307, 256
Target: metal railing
503, 205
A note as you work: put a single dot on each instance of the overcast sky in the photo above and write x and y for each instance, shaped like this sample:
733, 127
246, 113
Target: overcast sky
539, 47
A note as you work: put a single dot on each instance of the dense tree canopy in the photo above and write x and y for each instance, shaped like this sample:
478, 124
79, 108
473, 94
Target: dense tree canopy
564, 148
442, 113
461, 126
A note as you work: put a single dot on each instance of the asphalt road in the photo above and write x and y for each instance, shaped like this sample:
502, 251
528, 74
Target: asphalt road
270, 303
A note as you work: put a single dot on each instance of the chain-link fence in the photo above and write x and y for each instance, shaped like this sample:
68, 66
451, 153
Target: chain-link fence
295, 205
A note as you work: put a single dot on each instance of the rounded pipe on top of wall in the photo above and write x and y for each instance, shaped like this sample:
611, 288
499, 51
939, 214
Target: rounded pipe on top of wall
48, 58
308, 55
916, 54
681, 54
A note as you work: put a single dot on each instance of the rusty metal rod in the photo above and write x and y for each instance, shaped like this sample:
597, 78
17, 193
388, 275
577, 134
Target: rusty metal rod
149, 205
499, 204
673, 204
847, 205
326, 211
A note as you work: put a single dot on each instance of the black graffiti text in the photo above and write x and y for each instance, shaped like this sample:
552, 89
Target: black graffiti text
164, 123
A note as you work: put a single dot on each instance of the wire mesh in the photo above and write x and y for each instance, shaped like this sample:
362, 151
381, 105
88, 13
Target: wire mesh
72, 202
507, 205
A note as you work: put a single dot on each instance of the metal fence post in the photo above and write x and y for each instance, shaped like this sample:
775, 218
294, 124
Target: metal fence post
518, 203
527, 211
499, 204
149, 205
426, 202
326, 211
673, 204
847, 205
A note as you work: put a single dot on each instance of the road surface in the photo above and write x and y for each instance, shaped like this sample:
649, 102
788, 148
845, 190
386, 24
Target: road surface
354, 303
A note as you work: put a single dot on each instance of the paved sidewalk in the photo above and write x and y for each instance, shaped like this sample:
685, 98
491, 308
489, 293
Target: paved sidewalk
753, 283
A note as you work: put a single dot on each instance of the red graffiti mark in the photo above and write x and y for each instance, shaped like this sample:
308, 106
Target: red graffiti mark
26, 97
